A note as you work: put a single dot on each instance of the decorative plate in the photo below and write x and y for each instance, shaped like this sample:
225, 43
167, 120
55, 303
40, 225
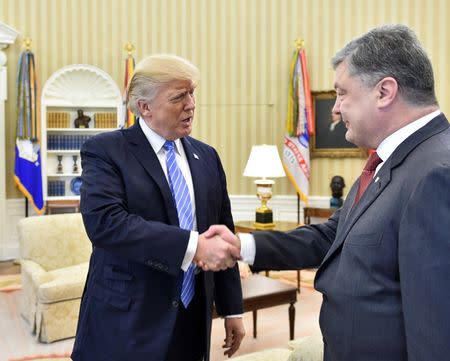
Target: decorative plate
75, 185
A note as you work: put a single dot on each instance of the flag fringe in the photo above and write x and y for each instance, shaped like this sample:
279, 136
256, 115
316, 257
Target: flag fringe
27, 194
291, 178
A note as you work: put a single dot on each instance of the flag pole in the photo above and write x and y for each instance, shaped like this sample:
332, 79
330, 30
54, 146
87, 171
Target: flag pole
128, 117
27, 46
299, 44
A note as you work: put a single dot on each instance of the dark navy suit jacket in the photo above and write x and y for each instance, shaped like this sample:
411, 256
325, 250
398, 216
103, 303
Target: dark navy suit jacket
132, 293
385, 263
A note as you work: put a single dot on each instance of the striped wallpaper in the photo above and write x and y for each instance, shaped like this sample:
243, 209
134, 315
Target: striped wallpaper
242, 47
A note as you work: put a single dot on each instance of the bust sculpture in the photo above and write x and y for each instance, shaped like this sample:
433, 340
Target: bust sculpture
337, 190
82, 121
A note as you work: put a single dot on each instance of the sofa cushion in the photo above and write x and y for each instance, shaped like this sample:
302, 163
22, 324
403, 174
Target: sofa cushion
308, 348
271, 354
66, 284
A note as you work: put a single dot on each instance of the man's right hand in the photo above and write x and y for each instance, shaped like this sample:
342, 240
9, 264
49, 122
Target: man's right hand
217, 249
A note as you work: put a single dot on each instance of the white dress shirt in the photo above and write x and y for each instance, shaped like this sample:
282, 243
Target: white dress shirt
384, 150
157, 143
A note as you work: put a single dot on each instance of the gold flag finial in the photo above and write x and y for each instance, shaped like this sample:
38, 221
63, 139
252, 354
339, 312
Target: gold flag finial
129, 48
27, 43
299, 43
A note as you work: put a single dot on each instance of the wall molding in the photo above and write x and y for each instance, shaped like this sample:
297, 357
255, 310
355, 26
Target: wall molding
243, 208
15, 212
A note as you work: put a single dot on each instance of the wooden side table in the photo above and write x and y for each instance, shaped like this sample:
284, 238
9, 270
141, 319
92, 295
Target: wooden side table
62, 206
249, 227
309, 212
260, 292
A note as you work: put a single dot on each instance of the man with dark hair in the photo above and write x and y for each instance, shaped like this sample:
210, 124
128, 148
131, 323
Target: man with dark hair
384, 257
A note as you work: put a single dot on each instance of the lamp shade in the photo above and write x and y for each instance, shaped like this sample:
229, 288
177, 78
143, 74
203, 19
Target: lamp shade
264, 161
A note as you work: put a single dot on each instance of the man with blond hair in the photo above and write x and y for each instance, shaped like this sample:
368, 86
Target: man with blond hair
148, 194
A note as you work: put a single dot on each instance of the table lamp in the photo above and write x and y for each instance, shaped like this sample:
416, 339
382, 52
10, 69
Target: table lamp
264, 162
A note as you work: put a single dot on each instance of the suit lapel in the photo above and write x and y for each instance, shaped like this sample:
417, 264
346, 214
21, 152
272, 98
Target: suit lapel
382, 179
197, 166
146, 156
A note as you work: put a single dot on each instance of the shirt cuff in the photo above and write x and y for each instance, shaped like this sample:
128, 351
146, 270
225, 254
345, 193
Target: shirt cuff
248, 247
190, 251
233, 316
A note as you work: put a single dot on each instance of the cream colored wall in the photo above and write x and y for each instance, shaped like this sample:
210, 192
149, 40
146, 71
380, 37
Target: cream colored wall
242, 47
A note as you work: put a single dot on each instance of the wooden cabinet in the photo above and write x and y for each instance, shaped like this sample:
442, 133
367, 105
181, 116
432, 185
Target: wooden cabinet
68, 91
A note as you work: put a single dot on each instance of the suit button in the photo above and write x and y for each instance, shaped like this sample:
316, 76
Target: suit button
175, 304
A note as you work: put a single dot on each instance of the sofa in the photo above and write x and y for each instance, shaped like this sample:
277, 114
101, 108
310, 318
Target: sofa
308, 348
55, 251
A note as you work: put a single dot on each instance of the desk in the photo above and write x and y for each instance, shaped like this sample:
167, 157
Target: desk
260, 292
249, 227
309, 212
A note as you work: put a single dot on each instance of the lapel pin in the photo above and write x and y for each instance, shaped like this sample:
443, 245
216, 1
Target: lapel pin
195, 156
377, 179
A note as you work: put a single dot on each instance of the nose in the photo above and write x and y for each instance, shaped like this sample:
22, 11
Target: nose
336, 107
190, 103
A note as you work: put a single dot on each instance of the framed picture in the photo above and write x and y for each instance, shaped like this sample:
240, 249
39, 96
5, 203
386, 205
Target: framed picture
329, 139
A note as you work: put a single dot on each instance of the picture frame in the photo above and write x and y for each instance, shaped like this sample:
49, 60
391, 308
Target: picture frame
329, 138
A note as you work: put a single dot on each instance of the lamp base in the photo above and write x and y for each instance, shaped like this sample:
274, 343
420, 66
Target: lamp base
264, 218
264, 226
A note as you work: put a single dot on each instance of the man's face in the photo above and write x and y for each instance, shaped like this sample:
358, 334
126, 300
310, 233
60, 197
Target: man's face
171, 112
357, 106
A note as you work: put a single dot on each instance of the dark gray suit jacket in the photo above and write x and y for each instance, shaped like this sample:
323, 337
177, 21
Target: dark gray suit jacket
385, 263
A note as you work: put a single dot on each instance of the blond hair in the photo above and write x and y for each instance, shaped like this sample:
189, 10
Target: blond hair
155, 71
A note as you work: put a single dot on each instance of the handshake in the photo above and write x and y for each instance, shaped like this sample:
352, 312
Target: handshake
218, 249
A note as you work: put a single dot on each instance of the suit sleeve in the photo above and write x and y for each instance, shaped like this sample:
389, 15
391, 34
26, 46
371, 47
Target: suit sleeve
424, 267
304, 247
228, 292
111, 226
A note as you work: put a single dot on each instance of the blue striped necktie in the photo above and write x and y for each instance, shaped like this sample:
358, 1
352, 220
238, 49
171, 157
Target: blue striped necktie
180, 192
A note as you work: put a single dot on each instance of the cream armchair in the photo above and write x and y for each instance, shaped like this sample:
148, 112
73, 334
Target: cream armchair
308, 348
55, 251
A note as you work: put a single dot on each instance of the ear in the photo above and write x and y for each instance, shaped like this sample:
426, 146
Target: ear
144, 108
387, 89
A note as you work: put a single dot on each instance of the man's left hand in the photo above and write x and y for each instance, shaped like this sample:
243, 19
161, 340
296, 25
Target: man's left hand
234, 333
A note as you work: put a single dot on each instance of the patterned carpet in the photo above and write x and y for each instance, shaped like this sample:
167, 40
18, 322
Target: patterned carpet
306, 277
9, 283
51, 357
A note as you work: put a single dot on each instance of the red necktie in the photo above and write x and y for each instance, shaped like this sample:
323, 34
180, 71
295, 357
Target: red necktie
367, 174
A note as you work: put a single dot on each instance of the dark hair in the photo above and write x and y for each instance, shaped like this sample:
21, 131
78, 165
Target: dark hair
391, 51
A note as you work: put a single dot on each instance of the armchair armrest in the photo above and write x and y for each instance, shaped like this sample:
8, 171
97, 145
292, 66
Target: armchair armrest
35, 273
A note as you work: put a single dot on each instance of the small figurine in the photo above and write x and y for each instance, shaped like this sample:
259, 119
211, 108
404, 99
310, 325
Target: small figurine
59, 167
337, 189
82, 121
75, 165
